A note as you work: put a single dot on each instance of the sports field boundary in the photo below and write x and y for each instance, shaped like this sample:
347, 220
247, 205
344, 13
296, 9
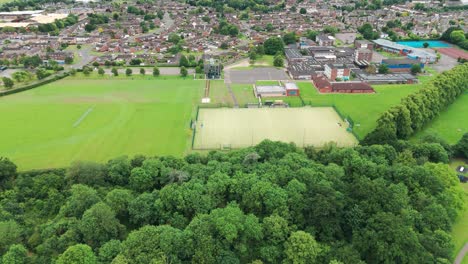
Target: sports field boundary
34, 85
195, 144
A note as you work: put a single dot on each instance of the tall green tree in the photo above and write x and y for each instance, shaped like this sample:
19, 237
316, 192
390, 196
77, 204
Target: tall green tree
77, 254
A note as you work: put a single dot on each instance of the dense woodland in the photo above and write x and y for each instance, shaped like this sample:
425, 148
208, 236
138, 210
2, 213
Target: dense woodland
272, 203
418, 109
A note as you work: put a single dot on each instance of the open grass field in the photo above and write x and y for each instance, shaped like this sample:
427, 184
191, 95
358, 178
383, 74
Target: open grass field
238, 128
92, 119
460, 228
244, 94
452, 123
364, 109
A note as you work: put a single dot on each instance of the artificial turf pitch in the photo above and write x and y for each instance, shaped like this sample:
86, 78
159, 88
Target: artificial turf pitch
237, 128
92, 119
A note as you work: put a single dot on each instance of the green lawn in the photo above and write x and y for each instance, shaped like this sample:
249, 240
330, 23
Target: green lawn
219, 94
460, 228
41, 127
364, 109
244, 94
452, 123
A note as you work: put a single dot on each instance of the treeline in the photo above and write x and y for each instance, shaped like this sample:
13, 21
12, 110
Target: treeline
29, 4
272, 203
418, 109
457, 36
58, 24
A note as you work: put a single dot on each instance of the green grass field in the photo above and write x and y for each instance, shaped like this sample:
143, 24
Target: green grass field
92, 119
244, 94
452, 123
364, 109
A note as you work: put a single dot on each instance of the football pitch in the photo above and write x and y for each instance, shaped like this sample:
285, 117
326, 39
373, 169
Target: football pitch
237, 128
97, 119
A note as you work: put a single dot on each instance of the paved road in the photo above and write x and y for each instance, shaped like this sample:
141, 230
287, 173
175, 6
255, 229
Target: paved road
461, 254
85, 58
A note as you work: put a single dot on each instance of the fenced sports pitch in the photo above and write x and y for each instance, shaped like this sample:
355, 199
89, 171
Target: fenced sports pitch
225, 128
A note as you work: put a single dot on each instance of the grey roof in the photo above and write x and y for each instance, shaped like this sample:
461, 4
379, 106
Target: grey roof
308, 67
390, 44
270, 89
400, 61
290, 86
293, 54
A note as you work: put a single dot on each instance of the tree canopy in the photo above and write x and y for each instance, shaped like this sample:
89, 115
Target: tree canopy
271, 203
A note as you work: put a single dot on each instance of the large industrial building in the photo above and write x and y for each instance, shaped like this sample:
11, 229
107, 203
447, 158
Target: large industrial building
412, 53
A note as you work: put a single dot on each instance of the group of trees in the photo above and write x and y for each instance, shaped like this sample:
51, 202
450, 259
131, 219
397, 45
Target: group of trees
58, 24
128, 71
417, 109
95, 20
457, 36
272, 203
368, 32
225, 28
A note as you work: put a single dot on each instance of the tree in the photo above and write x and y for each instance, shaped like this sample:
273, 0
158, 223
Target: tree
301, 247
87, 70
10, 233
7, 82
457, 36
140, 180
109, 251
86, 172
252, 56
115, 72
224, 45
415, 68
174, 38
16, 254
68, 60
119, 170
183, 71
184, 61
273, 46
383, 69
81, 199
119, 200
151, 243
368, 32
156, 72
99, 225
461, 148
289, 38
425, 45
303, 11
77, 254
278, 61
142, 71
101, 71
128, 72
41, 74
7, 170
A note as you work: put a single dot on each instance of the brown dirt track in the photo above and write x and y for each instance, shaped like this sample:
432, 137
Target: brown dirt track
454, 52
